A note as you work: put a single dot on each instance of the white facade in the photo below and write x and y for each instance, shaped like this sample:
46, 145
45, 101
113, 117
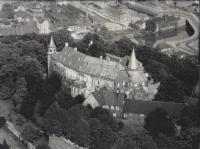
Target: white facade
43, 27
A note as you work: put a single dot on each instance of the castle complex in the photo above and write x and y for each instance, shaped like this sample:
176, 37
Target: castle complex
85, 74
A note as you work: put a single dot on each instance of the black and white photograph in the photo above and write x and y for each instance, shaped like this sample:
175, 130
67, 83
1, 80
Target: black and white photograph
99, 74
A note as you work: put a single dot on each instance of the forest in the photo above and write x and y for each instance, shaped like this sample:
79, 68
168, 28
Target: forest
24, 81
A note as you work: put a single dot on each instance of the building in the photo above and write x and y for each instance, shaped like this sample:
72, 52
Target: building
43, 25
37, 9
136, 110
106, 99
84, 74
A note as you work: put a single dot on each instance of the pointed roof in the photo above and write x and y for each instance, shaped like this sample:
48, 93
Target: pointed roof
132, 61
52, 43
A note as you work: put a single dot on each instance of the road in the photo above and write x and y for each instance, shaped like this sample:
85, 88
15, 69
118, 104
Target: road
182, 44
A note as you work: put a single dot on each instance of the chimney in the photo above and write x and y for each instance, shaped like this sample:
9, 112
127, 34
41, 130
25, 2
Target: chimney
101, 58
66, 44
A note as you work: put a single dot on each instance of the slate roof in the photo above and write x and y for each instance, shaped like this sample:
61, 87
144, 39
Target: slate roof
87, 64
145, 107
110, 98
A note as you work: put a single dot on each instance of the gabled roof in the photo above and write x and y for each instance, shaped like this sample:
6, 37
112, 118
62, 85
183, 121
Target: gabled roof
87, 64
98, 95
145, 107
113, 99
110, 98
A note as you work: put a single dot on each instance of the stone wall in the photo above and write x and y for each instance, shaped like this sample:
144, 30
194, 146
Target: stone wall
62, 143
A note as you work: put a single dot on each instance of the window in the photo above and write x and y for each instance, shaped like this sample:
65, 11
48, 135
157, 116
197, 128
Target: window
114, 114
112, 107
143, 83
117, 108
123, 83
118, 85
106, 107
74, 89
125, 115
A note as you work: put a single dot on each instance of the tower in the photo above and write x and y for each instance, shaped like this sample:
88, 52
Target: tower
51, 50
132, 62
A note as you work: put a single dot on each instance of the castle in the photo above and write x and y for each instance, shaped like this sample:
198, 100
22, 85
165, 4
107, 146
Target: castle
85, 74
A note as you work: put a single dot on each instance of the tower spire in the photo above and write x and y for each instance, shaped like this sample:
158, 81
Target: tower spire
51, 50
132, 61
52, 43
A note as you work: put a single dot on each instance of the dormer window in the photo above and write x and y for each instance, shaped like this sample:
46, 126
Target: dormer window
118, 85
123, 83
117, 108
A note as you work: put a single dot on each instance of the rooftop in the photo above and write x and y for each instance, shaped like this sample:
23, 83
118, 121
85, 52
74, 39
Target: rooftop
145, 107
88, 64
110, 98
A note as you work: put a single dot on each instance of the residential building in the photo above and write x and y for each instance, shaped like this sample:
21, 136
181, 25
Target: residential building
106, 99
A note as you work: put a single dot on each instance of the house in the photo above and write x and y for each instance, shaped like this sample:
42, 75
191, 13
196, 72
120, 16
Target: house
43, 25
106, 99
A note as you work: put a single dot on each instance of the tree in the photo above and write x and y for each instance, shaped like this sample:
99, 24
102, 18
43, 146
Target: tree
157, 70
2, 121
190, 117
159, 122
134, 139
42, 146
105, 118
27, 106
125, 46
80, 133
35, 50
4, 145
150, 26
20, 93
171, 90
101, 136
29, 132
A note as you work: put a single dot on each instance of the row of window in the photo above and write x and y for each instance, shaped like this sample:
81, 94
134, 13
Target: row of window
111, 107
74, 75
126, 84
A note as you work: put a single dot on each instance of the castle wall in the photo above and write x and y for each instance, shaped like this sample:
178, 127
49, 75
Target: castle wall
92, 82
62, 143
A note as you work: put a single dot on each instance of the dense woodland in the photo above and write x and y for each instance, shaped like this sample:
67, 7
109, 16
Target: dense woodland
39, 98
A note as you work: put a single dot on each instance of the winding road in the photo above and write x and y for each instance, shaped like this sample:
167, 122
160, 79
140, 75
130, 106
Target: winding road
182, 44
